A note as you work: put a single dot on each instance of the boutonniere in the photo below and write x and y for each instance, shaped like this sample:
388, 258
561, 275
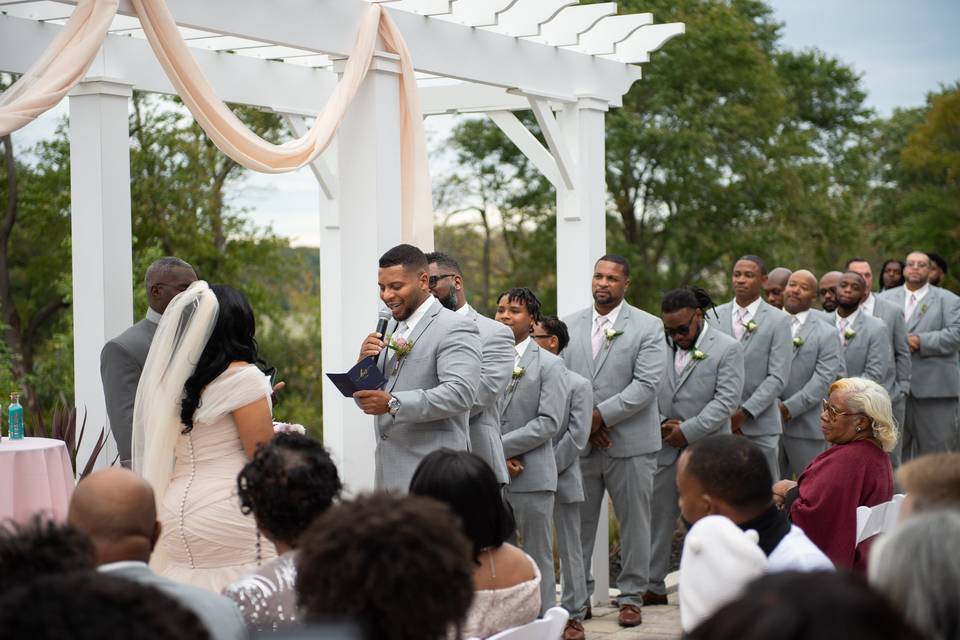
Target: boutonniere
610, 335
923, 308
402, 347
698, 355
848, 334
515, 377
797, 342
751, 326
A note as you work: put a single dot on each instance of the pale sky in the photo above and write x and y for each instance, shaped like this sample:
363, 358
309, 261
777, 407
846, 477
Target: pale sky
903, 49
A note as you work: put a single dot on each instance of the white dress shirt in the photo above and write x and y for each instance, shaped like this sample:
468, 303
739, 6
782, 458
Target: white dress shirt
521, 349
797, 321
611, 317
682, 356
406, 327
464, 310
850, 319
153, 316
751, 310
869, 304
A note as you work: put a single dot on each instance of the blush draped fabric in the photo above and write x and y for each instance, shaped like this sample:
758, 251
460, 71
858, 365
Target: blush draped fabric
60, 68
831, 488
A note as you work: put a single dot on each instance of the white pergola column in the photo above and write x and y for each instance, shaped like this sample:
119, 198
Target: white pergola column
581, 239
102, 241
369, 224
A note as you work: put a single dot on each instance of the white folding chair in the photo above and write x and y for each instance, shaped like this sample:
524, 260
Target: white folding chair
550, 627
879, 519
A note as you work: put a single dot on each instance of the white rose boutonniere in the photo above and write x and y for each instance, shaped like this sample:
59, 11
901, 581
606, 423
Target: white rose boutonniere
751, 326
610, 335
515, 377
698, 355
848, 334
797, 342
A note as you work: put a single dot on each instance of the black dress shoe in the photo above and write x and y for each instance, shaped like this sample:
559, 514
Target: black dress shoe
650, 598
589, 614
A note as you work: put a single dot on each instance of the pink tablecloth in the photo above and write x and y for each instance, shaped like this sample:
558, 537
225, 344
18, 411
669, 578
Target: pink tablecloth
35, 476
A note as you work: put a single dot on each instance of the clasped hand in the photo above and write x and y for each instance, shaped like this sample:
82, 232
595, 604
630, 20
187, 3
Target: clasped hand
672, 435
599, 432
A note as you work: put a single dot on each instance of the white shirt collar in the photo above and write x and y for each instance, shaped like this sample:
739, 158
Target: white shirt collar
920, 293
611, 317
122, 564
703, 332
417, 315
153, 316
522, 348
751, 308
869, 304
850, 319
801, 316
464, 310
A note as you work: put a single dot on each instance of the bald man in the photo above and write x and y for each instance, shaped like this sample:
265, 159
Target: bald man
117, 510
816, 364
774, 286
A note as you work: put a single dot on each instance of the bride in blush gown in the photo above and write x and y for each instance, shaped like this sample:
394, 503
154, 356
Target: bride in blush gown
203, 405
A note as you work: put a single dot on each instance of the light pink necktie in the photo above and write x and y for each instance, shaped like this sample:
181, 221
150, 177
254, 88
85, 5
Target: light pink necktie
795, 326
598, 335
841, 328
680, 361
911, 307
739, 326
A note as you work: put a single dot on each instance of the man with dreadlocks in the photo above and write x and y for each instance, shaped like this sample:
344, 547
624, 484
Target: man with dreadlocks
531, 412
701, 390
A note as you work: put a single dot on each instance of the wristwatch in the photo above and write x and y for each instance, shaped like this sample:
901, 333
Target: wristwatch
393, 405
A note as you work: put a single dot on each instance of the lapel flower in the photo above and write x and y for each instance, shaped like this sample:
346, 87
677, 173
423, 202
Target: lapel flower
698, 355
848, 334
402, 347
610, 334
515, 377
797, 342
923, 308
751, 326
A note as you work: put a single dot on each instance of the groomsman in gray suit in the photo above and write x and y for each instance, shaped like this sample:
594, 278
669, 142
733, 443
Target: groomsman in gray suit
816, 365
432, 362
531, 412
496, 344
932, 315
897, 378
764, 334
621, 350
121, 360
551, 334
863, 338
702, 389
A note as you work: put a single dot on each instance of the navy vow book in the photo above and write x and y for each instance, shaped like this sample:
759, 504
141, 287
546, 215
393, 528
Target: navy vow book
365, 376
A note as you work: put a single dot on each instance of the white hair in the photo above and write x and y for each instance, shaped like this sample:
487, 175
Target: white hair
868, 397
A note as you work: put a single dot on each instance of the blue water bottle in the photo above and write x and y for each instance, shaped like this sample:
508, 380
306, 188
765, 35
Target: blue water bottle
15, 413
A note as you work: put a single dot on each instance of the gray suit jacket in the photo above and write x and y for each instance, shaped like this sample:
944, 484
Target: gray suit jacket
626, 375
496, 343
531, 412
897, 378
707, 392
217, 613
572, 437
436, 384
121, 363
816, 365
868, 353
936, 321
767, 353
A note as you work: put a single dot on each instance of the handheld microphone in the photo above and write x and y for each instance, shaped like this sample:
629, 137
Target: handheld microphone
382, 320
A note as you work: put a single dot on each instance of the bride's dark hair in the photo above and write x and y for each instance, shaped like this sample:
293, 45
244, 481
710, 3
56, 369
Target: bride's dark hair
232, 340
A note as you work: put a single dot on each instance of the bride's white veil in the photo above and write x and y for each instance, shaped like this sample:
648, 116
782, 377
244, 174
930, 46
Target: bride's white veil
180, 339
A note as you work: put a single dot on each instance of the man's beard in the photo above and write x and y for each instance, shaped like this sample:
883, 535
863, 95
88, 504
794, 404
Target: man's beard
450, 302
829, 305
849, 308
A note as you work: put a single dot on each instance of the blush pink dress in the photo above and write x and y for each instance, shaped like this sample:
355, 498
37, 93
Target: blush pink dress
496, 610
206, 541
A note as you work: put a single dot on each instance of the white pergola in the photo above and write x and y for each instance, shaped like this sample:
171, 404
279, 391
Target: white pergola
568, 63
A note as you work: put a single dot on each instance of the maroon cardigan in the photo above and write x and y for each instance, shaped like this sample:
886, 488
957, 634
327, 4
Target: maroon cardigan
830, 489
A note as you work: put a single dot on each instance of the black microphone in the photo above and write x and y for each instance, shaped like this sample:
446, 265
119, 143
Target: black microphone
382, 320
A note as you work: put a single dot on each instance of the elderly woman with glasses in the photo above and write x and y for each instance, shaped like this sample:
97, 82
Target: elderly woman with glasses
855, 471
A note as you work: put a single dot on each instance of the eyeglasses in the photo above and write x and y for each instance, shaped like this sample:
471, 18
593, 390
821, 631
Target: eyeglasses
180, 288
433, 280
679, 331
833, 414
541, 336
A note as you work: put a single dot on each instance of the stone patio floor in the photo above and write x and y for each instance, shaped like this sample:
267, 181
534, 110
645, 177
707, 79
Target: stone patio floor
659, 623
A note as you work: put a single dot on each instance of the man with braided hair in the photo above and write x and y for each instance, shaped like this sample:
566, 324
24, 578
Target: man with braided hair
701, 390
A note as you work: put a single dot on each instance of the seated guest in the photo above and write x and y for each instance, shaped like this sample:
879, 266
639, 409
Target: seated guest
857, 420
399, 566
86, 605
116, 508
916, 566
506, 580
806, 606
40, 548
290, 481
930, 482
725, 475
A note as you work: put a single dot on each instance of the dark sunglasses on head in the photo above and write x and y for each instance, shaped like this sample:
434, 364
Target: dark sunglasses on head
433, 280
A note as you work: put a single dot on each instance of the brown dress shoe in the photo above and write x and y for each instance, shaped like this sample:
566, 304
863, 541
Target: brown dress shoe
650, 598
629, 616
574, 631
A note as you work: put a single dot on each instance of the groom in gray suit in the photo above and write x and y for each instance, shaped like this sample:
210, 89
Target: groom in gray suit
933, 333
621, 350
531, 412
863, 338
116, 509
432, 362
496, 343
816, 365
702, 389
121, 361
764, 333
